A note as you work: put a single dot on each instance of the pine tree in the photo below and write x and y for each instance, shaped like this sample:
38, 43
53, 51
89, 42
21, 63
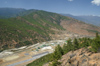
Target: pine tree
97, 35
76, 44
94, 47
60, 49
58, 52
65, 48
97, 39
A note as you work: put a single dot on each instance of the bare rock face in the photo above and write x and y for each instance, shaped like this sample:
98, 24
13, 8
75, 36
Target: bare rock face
81, 57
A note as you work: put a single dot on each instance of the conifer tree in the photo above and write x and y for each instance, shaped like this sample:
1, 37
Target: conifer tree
58, 52
69, 45
97, 40
97, 35
65, 48
60, 49
76, 44
94, 47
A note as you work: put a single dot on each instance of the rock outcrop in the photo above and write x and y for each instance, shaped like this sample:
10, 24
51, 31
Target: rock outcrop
81, 57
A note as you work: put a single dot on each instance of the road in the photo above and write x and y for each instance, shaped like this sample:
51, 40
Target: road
33, 58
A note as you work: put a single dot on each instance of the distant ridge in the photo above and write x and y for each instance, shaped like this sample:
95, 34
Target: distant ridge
91, 19
14, 12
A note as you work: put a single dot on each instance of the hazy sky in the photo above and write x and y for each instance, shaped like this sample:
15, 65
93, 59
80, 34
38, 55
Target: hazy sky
75, 7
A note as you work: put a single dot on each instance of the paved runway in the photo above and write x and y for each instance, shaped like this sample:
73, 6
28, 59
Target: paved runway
33, 58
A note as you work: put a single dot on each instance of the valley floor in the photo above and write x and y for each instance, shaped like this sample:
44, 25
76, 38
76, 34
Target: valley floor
26, 54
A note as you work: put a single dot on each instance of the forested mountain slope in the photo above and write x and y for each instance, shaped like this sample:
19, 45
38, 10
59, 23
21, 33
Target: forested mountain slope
39, 26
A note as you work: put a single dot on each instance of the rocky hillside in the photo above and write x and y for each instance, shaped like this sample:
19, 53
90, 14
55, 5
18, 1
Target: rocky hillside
81, 57
39, 26
79, 27
77, 52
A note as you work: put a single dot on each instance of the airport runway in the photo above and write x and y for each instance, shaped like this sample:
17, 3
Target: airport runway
33, 58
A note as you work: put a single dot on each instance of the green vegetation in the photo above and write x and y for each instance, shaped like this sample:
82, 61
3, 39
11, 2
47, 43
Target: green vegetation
33, 27
82, 42
56, 56
57, 53
41, 61
70, 46
30, 25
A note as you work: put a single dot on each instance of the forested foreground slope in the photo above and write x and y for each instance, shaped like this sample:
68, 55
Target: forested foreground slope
77, 52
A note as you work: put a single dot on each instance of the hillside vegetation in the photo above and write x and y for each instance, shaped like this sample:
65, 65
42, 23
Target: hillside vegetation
29, 29
38, 26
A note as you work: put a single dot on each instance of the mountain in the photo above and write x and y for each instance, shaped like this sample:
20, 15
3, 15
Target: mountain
95, 20
14, 12
10, 12
29, 29
38, 26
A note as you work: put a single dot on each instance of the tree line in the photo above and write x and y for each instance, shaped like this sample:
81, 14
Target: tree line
73, 45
